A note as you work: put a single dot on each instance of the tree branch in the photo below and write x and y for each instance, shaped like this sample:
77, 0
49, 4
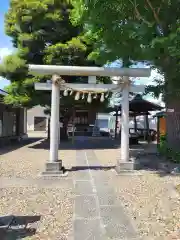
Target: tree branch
137, 13
159, 8
154, 12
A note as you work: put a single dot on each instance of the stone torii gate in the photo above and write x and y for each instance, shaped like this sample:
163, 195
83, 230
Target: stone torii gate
54, 165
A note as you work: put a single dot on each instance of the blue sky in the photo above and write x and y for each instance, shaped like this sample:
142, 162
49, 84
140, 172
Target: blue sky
6, 48
5, 42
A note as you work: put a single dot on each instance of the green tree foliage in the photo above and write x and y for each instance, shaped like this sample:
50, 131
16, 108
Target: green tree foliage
136, 30
139, 30
42, 33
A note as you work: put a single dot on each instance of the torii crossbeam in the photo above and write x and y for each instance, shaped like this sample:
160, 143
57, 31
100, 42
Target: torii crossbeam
54, 165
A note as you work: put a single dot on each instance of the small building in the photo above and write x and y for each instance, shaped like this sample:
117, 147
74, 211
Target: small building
12, 121
37, 120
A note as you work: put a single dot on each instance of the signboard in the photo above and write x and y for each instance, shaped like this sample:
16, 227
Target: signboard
170, 110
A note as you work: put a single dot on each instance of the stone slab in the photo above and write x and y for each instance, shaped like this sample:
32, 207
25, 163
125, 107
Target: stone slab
54, 166
101, 182
83, 188
88, 229
116, 223
129, 173
81, 159
53, 175
99, 175
112, 222
86, 207
124, 166
101, 189
91, 156
107, 199
82, 175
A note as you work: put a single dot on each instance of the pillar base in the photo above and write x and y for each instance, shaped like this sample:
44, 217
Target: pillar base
126, 168
54, 169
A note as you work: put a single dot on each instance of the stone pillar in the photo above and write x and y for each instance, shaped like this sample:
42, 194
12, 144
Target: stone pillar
146, 123
54, 165
124, 163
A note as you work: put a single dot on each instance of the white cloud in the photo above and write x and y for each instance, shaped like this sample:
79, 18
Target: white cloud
155, 75
156, 100
4, 52
4, 83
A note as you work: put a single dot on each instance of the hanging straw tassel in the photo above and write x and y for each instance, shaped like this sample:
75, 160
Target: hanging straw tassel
65, 93
102, 97
77, 97
89, 99
107, 95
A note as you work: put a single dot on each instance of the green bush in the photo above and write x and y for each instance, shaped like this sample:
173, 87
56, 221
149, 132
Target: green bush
168, 152
162, 147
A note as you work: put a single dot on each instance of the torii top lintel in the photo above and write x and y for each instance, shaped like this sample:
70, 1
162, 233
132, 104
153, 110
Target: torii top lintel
89, 71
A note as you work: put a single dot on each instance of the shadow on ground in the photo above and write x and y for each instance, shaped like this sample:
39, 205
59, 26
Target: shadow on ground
155, 163
12, 146
13, 234
96, 168
145, 155
81, 144
16, 227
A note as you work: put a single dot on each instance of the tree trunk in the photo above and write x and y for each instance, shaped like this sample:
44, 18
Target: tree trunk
173, 125
172, 113
172, 98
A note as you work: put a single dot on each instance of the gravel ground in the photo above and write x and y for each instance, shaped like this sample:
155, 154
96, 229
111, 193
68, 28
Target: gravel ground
29, 161
54, 205
150, 199
23, 192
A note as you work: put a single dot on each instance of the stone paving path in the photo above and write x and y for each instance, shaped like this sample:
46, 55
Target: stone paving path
97, 213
